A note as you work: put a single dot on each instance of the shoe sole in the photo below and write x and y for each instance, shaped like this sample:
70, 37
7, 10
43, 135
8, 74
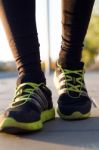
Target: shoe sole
74, 116
10, 125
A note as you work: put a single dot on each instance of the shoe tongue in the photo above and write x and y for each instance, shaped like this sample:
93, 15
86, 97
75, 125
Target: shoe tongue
28, 78
23, 79
73, 66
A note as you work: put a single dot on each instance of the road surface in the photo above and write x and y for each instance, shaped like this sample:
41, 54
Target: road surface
57, 134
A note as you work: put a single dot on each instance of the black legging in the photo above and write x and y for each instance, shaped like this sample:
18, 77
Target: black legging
75, 20
18, 17
19, 20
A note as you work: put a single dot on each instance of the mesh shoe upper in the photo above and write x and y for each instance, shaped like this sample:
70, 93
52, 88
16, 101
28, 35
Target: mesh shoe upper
72, 91
29, 101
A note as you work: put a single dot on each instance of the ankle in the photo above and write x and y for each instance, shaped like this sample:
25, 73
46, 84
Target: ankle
31, 77
71, 65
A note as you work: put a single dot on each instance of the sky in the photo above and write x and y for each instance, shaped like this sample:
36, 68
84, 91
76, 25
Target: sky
42, 26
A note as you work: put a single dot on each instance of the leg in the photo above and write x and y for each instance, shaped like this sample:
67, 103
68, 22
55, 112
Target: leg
75, 20
32, 103
74, 102
20, 24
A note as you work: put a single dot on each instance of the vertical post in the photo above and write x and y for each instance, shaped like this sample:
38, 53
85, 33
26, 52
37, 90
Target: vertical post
48, 63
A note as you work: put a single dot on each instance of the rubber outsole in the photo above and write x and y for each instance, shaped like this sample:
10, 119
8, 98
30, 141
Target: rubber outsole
74, 116
10, 125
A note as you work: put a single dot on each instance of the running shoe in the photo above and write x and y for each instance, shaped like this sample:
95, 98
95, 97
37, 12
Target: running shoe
74, 101
29, 109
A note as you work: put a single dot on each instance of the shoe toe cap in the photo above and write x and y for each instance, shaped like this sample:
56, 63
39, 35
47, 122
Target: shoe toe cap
68, 105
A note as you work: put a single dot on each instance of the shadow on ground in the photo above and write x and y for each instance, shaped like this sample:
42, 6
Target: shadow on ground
73, 133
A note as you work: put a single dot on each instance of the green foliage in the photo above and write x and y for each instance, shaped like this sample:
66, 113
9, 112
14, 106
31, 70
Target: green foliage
91, 41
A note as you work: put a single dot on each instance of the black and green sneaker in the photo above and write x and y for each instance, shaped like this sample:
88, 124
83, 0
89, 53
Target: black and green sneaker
74, 102
30, 108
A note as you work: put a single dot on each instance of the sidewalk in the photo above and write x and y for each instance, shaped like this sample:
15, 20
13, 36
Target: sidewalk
57, 134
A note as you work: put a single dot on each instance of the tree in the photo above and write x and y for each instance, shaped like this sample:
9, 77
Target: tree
91, 48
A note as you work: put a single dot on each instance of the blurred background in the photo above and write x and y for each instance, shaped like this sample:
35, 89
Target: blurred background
48, 15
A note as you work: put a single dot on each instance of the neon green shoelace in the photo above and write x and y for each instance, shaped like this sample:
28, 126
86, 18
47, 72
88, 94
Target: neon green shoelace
78, 80
22, 95
73, 83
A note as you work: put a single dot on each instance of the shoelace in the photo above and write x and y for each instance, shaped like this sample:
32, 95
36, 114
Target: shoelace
77, 80
69, 79
22, 94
